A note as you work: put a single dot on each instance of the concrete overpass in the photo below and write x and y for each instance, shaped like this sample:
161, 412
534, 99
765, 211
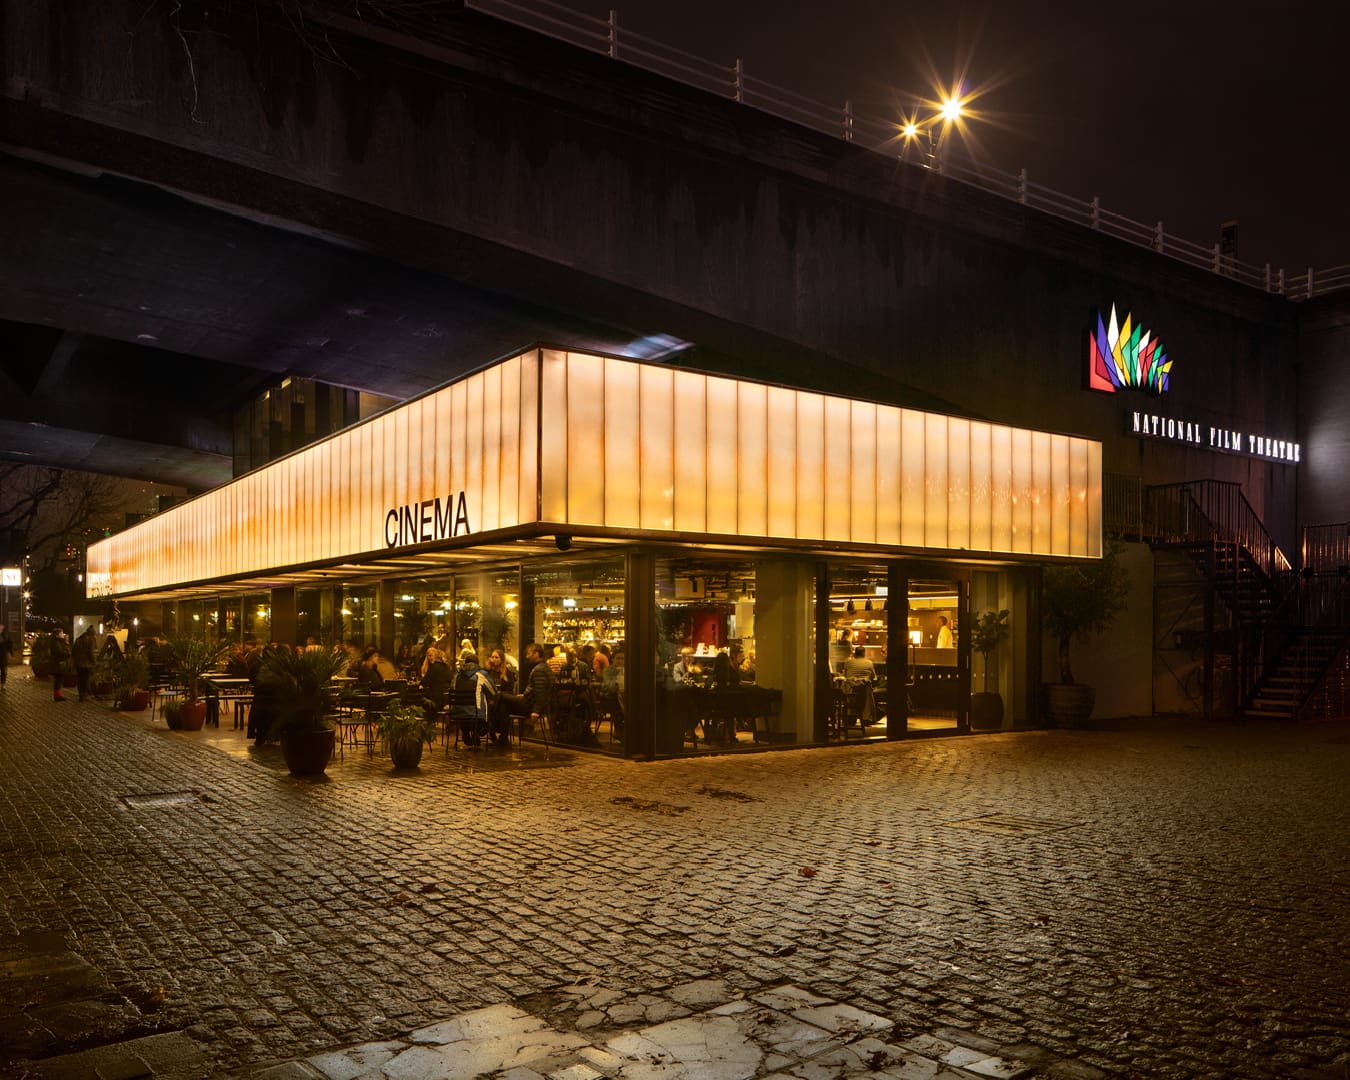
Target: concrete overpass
210, 199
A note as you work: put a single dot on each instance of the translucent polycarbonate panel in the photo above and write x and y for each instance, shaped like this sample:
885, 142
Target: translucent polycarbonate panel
981, 488
863, 474
1041, 502
888, 475
935, 481
1060, 494
508, 443
528, 506
553, 436
958, 483
621, 446
721, 482
780, 441
1092, 495
656, 448
1020, 490
691, 462
1077, 495
604, 442
913, 457
810, 458
752, 508
838, 465
586, 462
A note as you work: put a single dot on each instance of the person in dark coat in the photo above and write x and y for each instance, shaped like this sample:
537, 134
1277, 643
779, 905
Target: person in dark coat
436, 680
84, 656
60, 654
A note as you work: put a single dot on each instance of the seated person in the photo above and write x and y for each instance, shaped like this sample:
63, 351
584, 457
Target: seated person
857, 668
501, 671
436, 678
727, 669
368, 674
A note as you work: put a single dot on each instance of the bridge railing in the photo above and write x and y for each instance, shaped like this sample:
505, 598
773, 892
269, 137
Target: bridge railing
882, 134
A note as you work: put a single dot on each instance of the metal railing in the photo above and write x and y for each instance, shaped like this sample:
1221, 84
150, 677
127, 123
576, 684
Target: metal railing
1213, 511
1326, 548
883, 135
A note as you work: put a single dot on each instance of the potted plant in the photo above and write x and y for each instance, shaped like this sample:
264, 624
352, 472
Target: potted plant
1079, 600
190, 659
301, 684
990, 631
405, 729
132, 677
173, 714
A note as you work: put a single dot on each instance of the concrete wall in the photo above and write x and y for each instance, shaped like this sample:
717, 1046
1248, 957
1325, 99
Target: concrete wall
1324, 411
1119, 662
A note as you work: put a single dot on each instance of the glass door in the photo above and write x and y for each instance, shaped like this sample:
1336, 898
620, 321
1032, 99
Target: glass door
937, 669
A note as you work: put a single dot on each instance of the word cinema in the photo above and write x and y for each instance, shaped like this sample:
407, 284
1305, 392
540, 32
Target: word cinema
431, 519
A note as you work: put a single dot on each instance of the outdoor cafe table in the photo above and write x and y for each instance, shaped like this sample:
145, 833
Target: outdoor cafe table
218, 686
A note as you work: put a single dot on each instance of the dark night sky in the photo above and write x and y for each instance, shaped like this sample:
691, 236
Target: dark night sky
1187, 112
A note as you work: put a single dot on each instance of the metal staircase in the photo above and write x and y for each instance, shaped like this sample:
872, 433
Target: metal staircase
1276, 644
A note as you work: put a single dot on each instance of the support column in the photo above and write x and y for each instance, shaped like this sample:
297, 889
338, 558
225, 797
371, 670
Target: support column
897, 651
640, 660
285, 625
792, 643
384, 618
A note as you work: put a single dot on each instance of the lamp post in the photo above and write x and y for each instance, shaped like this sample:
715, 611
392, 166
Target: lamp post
933, 129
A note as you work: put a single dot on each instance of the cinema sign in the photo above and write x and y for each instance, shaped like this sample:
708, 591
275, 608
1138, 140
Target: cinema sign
1222, 439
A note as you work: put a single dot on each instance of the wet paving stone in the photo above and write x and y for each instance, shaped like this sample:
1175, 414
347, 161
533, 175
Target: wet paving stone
1186, 923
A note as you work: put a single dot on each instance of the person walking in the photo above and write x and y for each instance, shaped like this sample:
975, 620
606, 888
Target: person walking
84, 655
6, 647
60, 653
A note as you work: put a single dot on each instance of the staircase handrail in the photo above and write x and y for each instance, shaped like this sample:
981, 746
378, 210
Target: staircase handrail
1325, 548
1216, 511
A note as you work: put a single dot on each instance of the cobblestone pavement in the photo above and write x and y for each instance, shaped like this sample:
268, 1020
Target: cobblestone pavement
1169, 900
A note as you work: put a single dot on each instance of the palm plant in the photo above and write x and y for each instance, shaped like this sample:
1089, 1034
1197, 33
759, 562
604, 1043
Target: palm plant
302, 684
191, 658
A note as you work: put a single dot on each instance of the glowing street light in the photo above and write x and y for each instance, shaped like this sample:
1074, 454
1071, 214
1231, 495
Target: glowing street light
943, 114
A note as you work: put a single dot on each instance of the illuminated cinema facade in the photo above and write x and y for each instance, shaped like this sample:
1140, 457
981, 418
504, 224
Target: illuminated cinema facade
670, 515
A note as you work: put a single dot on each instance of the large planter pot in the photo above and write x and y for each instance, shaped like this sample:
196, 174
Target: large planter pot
1069, 706
986, 711
307, 753
42, 671
136, 701
194, 715
406, 753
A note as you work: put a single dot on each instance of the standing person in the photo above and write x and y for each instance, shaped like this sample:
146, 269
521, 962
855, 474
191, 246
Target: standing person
944, 634
84, 660
60, 653
6, 647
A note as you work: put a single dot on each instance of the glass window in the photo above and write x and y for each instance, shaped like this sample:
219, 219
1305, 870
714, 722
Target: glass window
858, 654
575, 612
735, 653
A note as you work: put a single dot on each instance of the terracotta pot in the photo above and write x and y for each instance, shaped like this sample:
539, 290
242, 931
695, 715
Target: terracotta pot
136, 701
194, 715
986, 711
307, 753
41, 671
406, 753
1069, 706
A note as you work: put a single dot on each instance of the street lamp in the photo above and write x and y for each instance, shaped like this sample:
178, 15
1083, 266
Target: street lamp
942, 115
